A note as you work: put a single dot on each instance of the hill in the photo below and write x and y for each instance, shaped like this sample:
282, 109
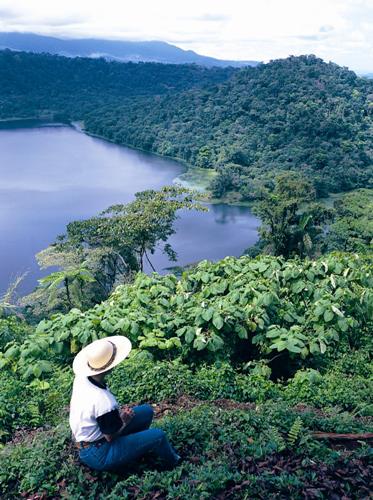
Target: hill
298, 113
291, 114
34, 85
124, 51
251, 366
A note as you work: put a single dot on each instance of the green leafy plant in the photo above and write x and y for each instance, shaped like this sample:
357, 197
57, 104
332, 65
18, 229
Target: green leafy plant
295, 431
237, 310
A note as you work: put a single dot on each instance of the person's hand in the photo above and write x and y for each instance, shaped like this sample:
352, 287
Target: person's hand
126, 414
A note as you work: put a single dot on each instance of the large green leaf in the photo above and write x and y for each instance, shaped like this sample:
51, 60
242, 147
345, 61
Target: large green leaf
208, 314
217, 321
328, 315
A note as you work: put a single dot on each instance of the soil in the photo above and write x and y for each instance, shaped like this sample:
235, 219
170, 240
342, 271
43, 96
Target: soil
187, 403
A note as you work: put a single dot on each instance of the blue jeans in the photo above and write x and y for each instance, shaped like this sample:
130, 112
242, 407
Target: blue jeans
135, 441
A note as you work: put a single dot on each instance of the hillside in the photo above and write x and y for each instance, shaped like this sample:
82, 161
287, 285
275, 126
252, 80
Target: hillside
291, 114
294, 114
252, 366
119, 50
42, 84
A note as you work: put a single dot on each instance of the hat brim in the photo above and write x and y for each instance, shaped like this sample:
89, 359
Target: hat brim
80, 363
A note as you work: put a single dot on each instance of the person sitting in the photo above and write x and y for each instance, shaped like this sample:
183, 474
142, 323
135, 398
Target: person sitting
108, 437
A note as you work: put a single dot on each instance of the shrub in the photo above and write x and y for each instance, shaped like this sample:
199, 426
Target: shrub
235, 310
332, 389
32, 405
222, 450
13, 329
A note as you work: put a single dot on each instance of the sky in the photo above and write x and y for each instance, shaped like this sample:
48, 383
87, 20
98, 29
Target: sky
335, 30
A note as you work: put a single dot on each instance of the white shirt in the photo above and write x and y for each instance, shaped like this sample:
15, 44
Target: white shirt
87, 403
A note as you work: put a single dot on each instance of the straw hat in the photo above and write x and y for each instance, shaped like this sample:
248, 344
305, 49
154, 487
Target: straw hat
101, 355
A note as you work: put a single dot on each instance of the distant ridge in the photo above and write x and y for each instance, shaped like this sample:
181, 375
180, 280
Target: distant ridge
123, 51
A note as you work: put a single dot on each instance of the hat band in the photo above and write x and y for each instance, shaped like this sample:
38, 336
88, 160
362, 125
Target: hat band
106, 365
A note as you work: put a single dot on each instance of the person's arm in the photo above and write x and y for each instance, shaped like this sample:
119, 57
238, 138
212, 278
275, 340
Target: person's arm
113, 423
111, 437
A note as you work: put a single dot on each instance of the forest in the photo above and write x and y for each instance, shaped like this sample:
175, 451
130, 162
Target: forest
259, 368
299, 114
43, 85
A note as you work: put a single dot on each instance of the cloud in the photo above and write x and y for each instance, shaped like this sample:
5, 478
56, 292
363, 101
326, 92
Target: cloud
309, 37
6, 13
326, 29
212, 17
64, 21
339, 30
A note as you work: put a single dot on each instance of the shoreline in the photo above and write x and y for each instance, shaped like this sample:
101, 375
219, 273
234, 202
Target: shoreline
188, 167
189, 170
199, 186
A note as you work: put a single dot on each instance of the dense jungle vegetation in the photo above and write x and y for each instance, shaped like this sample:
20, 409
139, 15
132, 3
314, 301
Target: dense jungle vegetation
298, 113
44, 85
292, 114
252, 365
246, 362
259, 368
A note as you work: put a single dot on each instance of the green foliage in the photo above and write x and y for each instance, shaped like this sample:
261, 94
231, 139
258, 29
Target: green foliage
296, 114
352, 230
69, 278
146, 222
291, 225
99, 253
237, 310
13, 329
220, 448
219, 445
32, 405
55, 87
294, 432
228, 333
144, 380
347, 384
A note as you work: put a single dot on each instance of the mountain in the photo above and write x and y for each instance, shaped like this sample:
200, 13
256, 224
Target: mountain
298, 113
123, 51
44, 85
249, 124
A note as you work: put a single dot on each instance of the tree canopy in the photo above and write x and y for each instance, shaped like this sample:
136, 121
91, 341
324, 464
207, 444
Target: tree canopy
96, 254
298, 113
292, 223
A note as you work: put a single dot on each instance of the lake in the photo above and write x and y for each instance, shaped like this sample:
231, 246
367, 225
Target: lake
53, 175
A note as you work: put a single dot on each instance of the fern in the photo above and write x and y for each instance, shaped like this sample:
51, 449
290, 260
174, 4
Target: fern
294, 432
34, 414
277, 439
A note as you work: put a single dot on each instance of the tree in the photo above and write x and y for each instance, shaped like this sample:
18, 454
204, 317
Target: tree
70, 279
99, 253
352, 230
291, 223
148, 221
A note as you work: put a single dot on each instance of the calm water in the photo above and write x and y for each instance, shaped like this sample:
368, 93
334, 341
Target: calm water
53, 175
